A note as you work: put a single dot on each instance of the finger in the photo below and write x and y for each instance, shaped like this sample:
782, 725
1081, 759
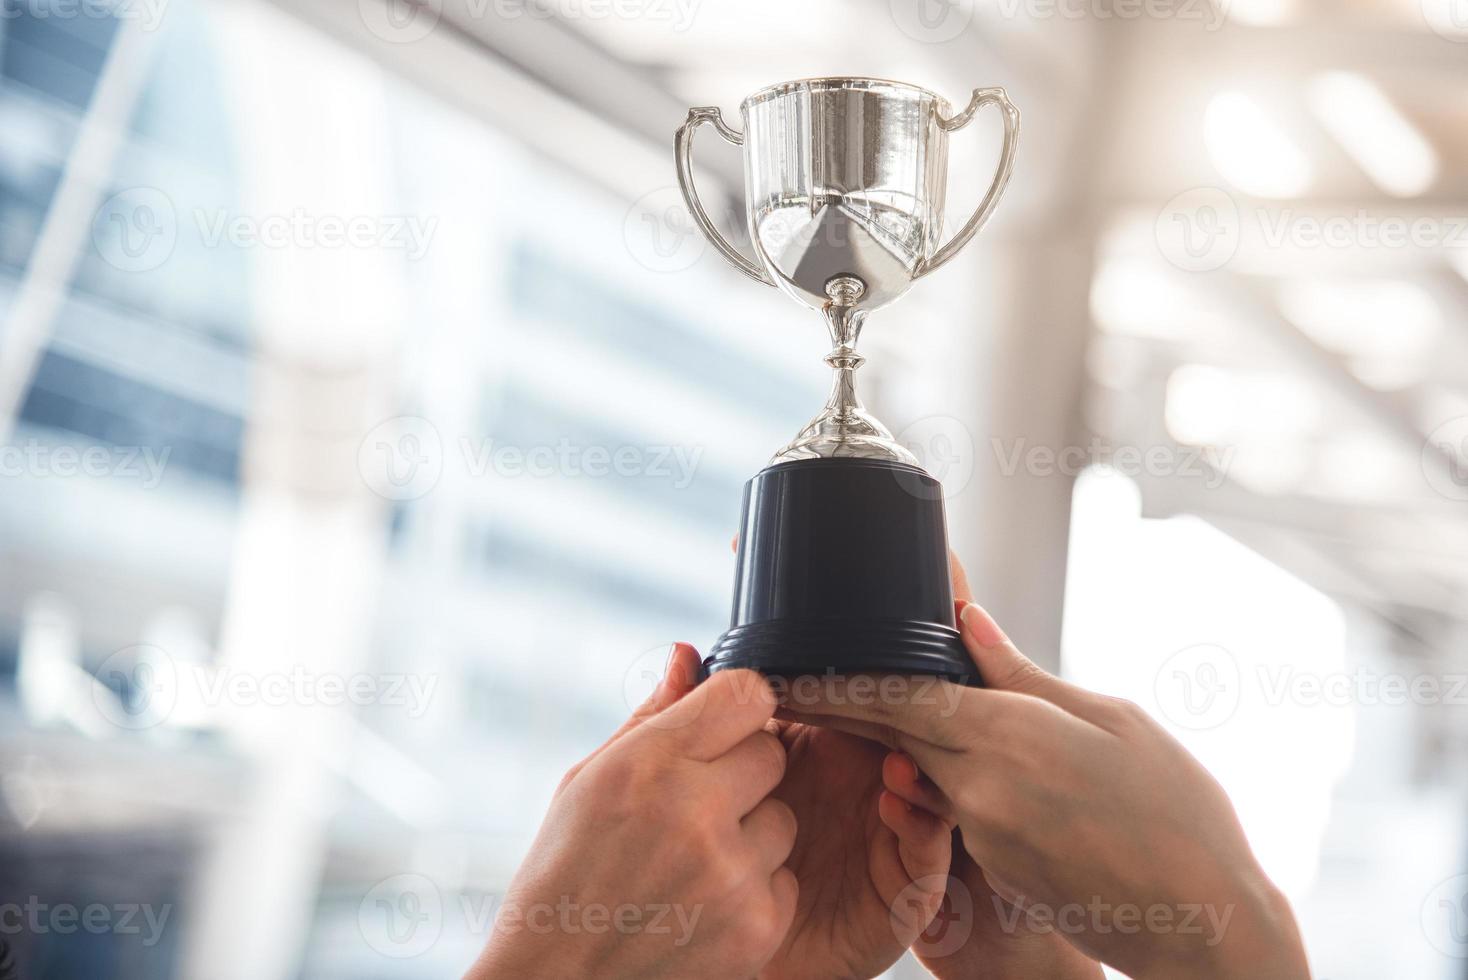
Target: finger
680, 676
925, 708
1004, 668
750, 771
785, 891
900, 776
924, 842
934, 758
1011, 895
961, 590
909, 865
722, 712
769, 831
870, 731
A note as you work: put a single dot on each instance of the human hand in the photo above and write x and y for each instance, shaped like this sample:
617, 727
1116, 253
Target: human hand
976, 934
662, 854
1082, 810
868, 887
869, 882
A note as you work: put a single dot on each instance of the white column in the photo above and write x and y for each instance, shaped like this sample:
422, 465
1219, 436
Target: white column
308, 552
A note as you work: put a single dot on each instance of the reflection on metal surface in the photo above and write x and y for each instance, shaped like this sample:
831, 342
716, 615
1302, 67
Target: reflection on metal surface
845, 180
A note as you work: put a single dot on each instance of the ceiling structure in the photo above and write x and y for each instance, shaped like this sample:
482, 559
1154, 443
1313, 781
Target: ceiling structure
1323, 351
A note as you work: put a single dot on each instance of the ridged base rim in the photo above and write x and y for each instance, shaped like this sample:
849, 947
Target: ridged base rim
791, 648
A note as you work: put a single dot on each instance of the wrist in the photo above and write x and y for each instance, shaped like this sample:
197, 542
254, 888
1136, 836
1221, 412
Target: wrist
518, 963
1252, 936
514, 954
1265, 943
1049, 956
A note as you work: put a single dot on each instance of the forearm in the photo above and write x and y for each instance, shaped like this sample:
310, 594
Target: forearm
1261, 941
1017, 958
505, 958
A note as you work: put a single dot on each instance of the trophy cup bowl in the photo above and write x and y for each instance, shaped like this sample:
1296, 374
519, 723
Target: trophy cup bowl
842, 563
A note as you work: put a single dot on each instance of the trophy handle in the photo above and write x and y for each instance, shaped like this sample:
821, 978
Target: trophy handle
683, 150
981, 98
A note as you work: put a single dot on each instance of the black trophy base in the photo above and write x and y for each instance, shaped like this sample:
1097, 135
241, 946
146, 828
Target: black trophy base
843, 569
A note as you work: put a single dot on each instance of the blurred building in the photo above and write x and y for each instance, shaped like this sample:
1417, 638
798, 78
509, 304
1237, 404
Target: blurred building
372, 417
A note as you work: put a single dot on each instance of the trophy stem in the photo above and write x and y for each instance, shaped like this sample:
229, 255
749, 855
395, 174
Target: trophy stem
844, 323
844, 428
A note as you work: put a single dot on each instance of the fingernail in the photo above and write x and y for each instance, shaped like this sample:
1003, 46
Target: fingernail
981, 626
668, 665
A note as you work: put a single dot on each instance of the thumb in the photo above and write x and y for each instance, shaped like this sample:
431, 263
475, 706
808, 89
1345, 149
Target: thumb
679, 677
1003, 668
722, 712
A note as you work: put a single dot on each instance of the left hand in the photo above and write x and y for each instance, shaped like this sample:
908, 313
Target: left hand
662, 855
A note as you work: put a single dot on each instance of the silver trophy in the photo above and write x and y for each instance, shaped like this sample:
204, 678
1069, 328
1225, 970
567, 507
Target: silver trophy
843, 560
844, 186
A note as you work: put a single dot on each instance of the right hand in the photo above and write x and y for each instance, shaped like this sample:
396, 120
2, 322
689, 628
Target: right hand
976, 933
673, 816
1083, 806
